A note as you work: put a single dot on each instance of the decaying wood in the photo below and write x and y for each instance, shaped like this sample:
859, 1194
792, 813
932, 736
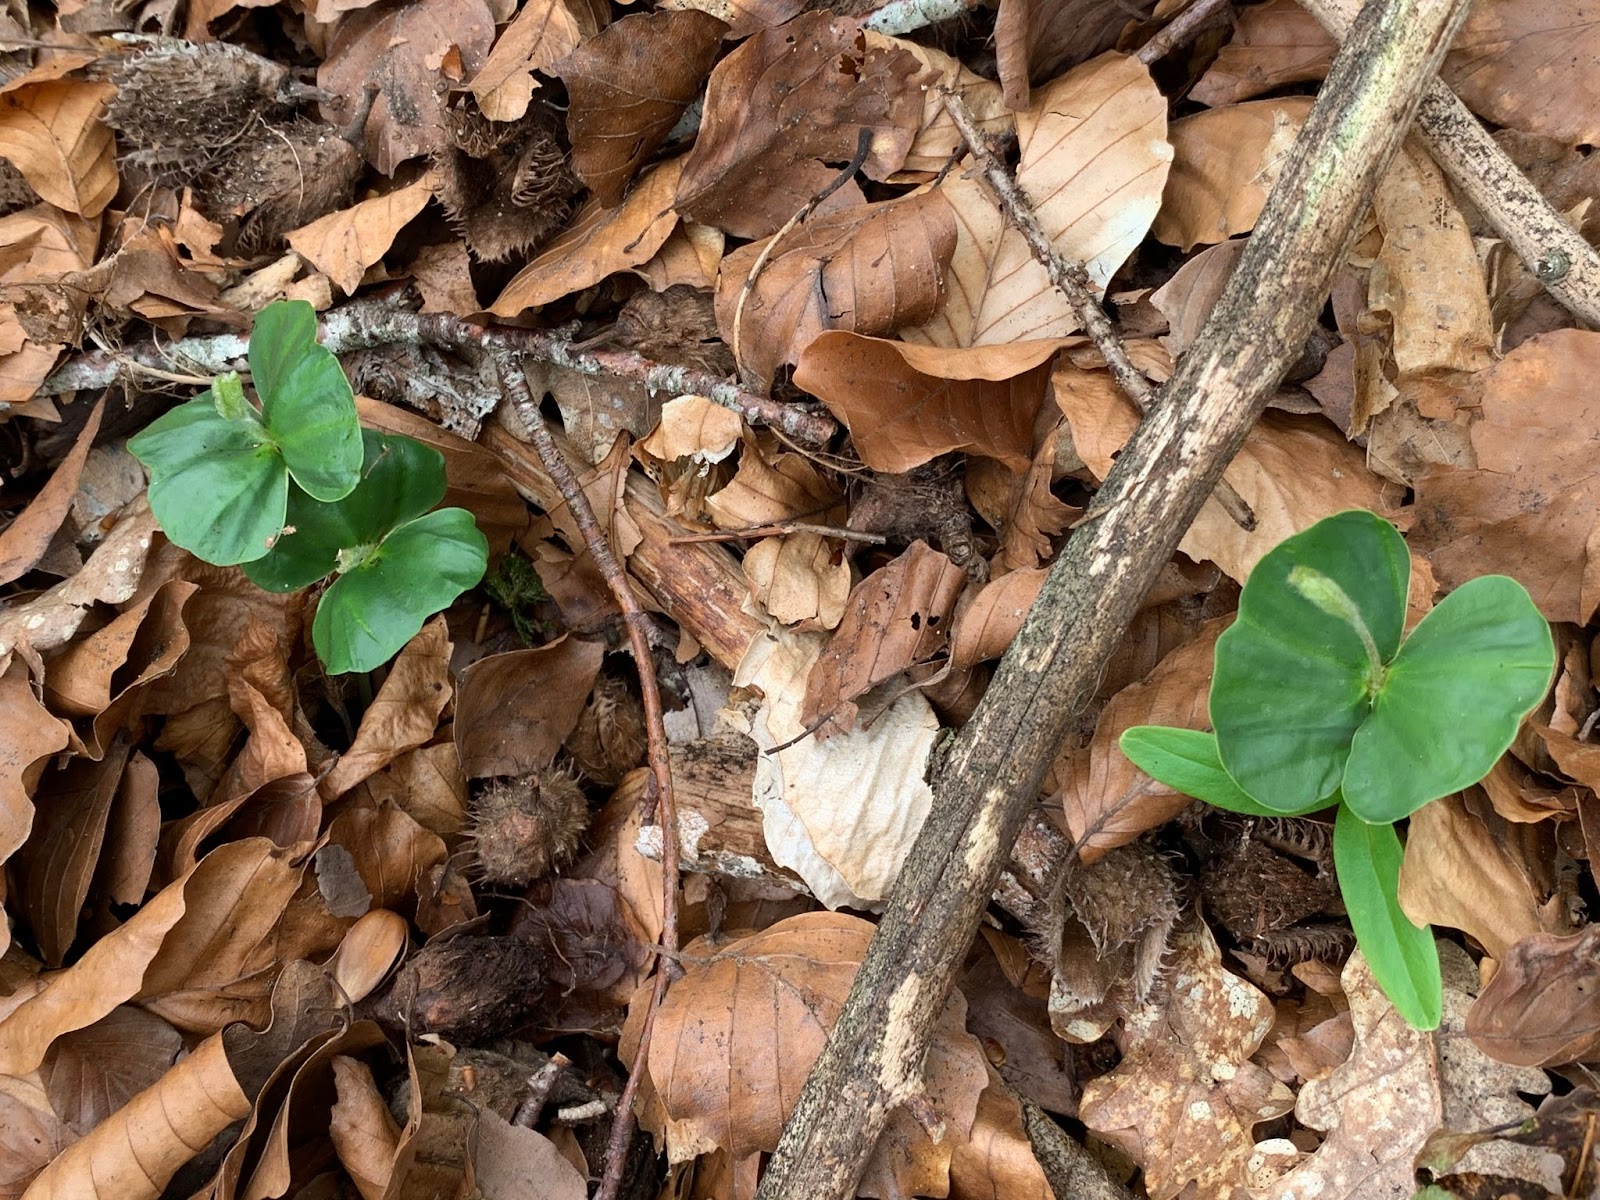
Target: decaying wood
989, 779
1555, 252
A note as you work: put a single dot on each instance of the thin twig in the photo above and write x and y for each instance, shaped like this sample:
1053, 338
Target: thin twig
1071, 279
637, 623
778, 529
863, 145
1179, 30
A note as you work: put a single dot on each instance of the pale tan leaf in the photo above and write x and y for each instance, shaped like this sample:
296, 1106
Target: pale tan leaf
513, 1163
544, 31
1033, 39
1530, 66
1273, 45
364, 1135
52, 132
689, 256
743, 17
1225, 162
599, 242
342, 245
997, 1162
986, 625
369, 951
694, 427
1094, 159
766, 490
135, 1152
28, 734
799, 577
938, 139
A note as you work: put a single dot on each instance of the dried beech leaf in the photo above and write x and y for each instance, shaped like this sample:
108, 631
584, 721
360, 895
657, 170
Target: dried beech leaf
52, 133
1225, 161
391, 851
938, 139
90, 1073
513, 1163
628, 85
736, 1035
342, 245
599, 242
782, 106
25, 540
28, 734
135, 1152
515, 709
907, 404
986, 626
1273, 45
30, 1136
1186, 1095
870, 269
1542, 1008
1529, 67
1094, 159
766, 490
743, 17
364, 1135
1036, 38
799, 577
544, 32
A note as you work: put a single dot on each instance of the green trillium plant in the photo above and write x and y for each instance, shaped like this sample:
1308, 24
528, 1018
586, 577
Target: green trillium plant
1319, 699
295, 491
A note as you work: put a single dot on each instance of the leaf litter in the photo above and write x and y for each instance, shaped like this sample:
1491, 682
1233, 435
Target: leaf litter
274, 932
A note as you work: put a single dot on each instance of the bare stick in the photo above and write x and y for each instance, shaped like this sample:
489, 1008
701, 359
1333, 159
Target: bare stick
366, 323
1179, 30
1071, 279
1555, 252
778, 530
988, 781
594, 539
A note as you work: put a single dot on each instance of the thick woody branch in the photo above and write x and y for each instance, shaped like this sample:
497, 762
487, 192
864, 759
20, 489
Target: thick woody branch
873, 1060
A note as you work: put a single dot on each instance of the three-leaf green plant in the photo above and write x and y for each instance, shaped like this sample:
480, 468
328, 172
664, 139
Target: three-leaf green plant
1319, 699
295, 491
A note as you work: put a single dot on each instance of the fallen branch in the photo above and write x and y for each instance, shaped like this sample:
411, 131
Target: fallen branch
991, 776
1180, 29
366, 324
1555, 252
1071, 279
633, 616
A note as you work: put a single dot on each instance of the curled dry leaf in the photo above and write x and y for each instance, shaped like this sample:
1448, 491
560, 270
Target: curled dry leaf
24, 541
52, 132
896, 617
30, 1136
938, 139
743, 17
1021, 505
599, 242
986, 626
390, 851
768, 488
799, 577
1542, 1008
1273, 45
907, 404
343, 244
1107, 801
515, 709
1225, 161
1094, 158
543, 32
1036, 38
735, 1037
364, 1135
1528, 510
401, 48
628, 85
510, 1162
1185, 1097
28, 735
135, 1152
782, 106
997, 1161
870, 269
369, 951
91, 1073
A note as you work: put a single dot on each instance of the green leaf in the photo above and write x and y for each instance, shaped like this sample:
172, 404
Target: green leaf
1187, 761
401, 479
306, 400
217, 485
1452, 700
1403, 958
1295, 673
375, 608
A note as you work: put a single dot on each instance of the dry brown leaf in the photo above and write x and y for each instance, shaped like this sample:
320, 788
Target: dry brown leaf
938, 139
1185, 1097
1225, 162
369, 951
997, 1162
1108, 802
28, 735
985, 626
1529, 66
342, 245
364, 1135
737, 1034
1529, 510
689, 257
743, 17
544, 32
628, 85
135, 1152
782, 106
1036, 38
599, 242
907, 404
1273, 45
390, 851
871, 269
510, 1162
30, 1136
799, 577
693, 427
1542, 1008
404, 713
52, 132
1094, 160
443, 275
24, 541
1376, 1109
896, 617
1471, 870
766, 490
515, 709
1292, 471
1186, 300
90, 1073
1021, 505
401, 48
